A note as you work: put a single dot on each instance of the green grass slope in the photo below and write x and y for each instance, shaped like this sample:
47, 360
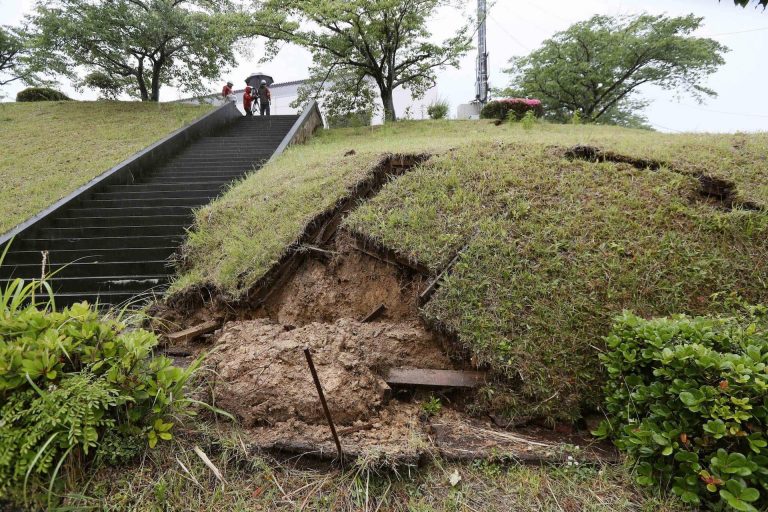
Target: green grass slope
551, 248
51, 148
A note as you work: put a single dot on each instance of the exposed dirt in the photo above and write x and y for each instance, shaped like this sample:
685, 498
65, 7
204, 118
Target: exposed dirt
595, 154
346, 284
263, 376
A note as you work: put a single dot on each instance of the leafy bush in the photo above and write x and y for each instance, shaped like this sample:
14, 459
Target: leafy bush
350, 119
506, 108
528, 121
438, 109
41, 94
686, 397
68, 380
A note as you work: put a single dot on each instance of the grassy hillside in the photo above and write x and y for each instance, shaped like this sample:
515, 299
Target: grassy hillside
51, 148
551, 247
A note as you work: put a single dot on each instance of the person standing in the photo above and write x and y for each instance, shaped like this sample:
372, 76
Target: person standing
265, 98
248, 100
227, 93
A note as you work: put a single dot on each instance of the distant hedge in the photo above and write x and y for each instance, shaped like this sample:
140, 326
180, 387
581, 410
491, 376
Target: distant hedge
41, 94
500, 109
350, 120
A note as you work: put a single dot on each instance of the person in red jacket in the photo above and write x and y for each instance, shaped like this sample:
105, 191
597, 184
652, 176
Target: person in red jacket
227, 91
247, 100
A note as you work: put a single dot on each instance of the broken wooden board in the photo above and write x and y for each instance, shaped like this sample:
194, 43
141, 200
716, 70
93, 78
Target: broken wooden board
435, 378
376, 313
188, 335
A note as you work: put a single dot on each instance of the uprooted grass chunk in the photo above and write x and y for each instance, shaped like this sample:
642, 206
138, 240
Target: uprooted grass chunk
554, 249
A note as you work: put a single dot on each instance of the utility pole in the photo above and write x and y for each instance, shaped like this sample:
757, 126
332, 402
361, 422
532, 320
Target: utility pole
481, 82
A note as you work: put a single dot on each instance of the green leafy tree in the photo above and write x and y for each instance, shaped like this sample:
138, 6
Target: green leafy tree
137, 46
385, 41
745, 3
346, 99
12, 56
597, 66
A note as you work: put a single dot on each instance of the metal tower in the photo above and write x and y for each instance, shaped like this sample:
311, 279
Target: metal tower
481, 82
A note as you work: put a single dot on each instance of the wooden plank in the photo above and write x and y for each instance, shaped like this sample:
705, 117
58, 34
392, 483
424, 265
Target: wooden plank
188, 335
435, 378
376, 313
435, 283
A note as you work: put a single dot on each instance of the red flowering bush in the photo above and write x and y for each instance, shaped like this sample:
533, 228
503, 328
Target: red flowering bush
500, 109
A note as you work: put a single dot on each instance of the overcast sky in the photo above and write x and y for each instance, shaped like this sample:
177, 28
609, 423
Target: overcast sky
515, 27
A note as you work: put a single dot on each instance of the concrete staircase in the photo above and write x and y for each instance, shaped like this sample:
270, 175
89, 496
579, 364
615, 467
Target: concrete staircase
115, 244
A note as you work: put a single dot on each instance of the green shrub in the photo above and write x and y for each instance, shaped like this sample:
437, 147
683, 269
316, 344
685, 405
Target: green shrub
41, 94
438, 109
350, 119
511, 108
686, 398
69, 380
528, 121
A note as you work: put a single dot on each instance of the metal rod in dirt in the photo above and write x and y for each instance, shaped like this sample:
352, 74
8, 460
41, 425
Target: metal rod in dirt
325, 404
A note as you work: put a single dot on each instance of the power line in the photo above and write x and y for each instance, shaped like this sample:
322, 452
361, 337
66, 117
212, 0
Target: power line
745, 114
737, 32
508, 33
665, 127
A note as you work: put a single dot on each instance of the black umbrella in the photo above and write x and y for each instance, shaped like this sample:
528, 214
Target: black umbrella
255, 80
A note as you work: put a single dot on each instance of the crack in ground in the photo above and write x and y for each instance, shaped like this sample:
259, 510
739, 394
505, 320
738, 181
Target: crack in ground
319, 295
721, 192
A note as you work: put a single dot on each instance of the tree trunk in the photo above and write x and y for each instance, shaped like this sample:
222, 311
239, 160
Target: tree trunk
156, 70
142, 84
389, 105
142, 87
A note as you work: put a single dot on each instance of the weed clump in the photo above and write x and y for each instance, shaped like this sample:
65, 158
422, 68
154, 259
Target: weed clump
686, 399
69, 380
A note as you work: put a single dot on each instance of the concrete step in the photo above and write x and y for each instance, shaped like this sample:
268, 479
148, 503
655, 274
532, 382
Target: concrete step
94, 244
107, 300
160, 189
205, 169
245, 149
152, 220
134, 202
192, 181
129, 211
77, 269
234, 144
216, 160
122, 231
201, 172
155, 194
91, 284
57, 256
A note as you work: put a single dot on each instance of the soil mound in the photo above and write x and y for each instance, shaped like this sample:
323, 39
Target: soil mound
263, 378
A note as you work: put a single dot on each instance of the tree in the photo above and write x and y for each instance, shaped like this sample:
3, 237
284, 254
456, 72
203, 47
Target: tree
385, 41
347, 99
745, 3
136, 46
12, 55
596, 67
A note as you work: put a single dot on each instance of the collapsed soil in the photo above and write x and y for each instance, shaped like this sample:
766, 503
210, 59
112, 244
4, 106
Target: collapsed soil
263, 376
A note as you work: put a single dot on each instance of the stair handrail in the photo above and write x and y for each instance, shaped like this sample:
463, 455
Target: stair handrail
310, 118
